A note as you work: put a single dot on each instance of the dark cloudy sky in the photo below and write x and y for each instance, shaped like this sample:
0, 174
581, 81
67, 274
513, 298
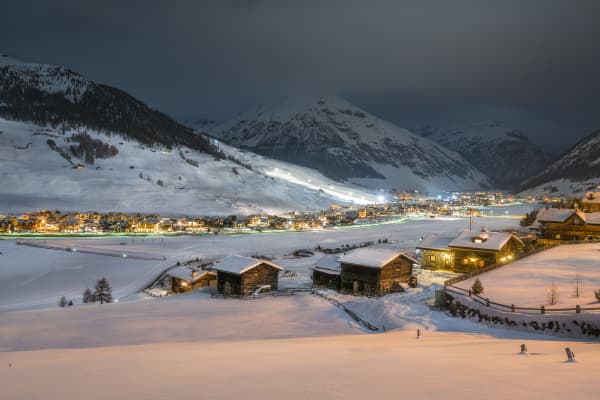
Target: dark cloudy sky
528, 64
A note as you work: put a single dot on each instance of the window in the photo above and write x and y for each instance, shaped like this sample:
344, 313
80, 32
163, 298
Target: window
466, 261
558, 236
481, 263
432, 258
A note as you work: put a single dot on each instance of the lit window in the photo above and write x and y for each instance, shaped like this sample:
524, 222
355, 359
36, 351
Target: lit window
432, 258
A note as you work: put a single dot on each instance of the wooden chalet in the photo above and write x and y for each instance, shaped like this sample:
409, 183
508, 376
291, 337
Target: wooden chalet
591, 202
435, 253
374, 272
472, 251
559, 224
327, 273
185, 279
241, 276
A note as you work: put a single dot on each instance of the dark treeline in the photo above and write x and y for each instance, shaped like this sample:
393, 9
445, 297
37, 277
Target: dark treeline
89, 149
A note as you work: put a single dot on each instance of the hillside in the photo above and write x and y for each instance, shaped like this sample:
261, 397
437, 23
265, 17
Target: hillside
576, 171
61, 98
506, 155
82, 169
348, 144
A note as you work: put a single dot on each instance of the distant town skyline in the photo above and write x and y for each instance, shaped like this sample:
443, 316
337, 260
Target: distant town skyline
530, 66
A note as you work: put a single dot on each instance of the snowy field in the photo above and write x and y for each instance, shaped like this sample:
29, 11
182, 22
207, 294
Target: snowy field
32, 277
526, 282
392, 365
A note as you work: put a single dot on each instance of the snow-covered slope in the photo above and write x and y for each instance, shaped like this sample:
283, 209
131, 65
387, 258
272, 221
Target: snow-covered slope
575, 172
153, 178
346, 143
505, 155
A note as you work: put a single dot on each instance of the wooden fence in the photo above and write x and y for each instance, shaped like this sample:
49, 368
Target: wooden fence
512, 308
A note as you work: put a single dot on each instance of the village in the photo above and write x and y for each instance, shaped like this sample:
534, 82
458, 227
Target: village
377, 269
403, 204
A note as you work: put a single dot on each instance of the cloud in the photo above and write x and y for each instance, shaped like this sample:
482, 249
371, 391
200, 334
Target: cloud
211, 57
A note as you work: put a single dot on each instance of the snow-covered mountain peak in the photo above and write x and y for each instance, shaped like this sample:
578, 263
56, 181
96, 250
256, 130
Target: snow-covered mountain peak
47, 78
347, 143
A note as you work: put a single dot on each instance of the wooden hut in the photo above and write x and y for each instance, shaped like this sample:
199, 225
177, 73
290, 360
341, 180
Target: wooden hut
326, 273
473, 251
435, 253
557, 224
241, 276
184, 279
591, 202
374, 271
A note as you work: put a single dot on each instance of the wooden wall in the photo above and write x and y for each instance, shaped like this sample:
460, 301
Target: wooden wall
229, 284
570, 230
442, 259
263, 274
325, 280
375, 281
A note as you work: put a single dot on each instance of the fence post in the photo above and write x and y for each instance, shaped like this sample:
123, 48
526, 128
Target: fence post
487, 302
543, 310
469, 292
578, 309
512, 307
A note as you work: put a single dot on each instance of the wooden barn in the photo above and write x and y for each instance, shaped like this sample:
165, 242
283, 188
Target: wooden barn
326, 273
184, 279
473, 251
241, 276
556, 224
591, 202
374, 272
435, 253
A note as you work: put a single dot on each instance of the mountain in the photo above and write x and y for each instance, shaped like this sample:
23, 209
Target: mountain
348, 144
56, 96
49, 168
576, 171
506, 155
72, 144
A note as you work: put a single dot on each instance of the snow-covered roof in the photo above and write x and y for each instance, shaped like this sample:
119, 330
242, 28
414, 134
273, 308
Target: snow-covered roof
592, 218
187, 273
329, 264
591, 198
372, 257
239, 264
554, 214
435, 242
487, 240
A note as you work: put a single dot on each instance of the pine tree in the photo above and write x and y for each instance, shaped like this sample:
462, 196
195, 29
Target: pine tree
477, 287
103, 291
63, 301
88, 296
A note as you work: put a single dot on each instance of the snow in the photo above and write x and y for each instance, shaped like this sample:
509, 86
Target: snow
391, 365
238, 264
591, 198
370, 257
436, 242
49, 78
489, 240
330, 124
293, 347
525, 282
329, 263
38, 177
186, 273
554, 214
